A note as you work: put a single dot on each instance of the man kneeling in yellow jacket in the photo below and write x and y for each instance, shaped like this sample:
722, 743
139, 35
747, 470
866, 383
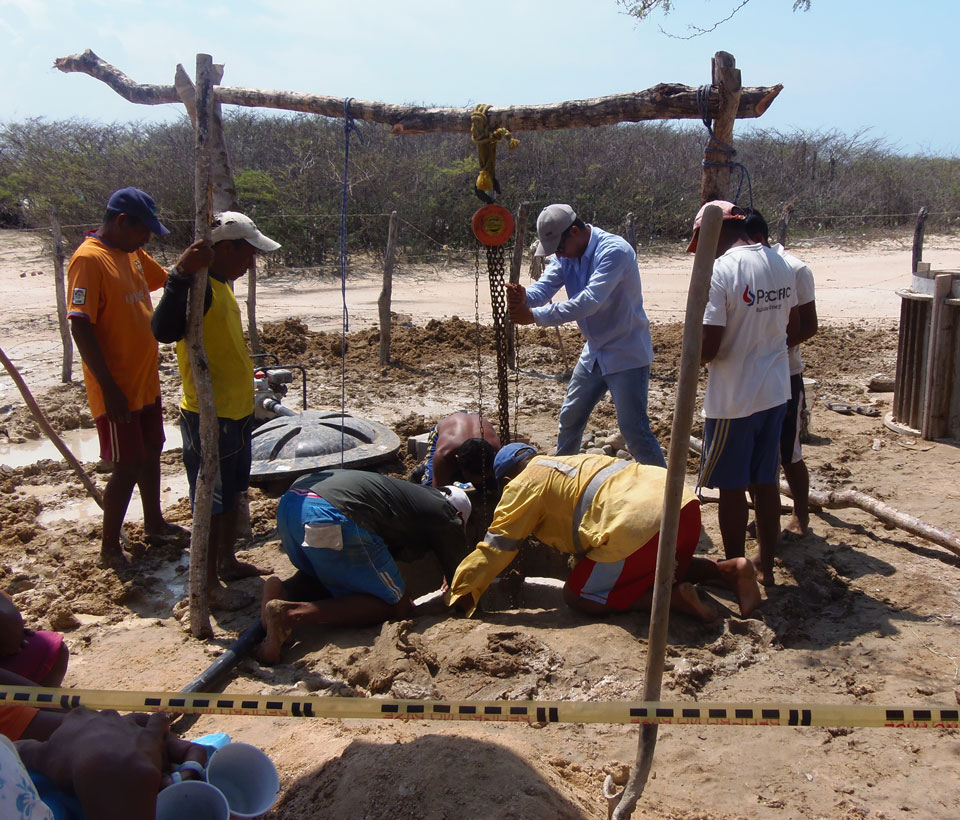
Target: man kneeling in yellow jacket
605, 511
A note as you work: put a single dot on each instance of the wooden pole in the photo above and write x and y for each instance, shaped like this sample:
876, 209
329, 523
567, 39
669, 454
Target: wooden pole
918, 238
209, 429
383, 303
50, 433
255, 346
630, 231
66, 370
726, 87
516, 262
936, 386
666, 101
672, 500
784, 223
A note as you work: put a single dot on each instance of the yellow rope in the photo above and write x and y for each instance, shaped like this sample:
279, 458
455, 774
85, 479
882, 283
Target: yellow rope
486, 142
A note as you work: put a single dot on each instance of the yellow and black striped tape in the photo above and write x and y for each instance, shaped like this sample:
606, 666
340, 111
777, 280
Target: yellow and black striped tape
623, 712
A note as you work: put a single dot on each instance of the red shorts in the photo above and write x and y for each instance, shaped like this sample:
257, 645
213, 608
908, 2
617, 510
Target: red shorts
128, 443
36, 657
619, 584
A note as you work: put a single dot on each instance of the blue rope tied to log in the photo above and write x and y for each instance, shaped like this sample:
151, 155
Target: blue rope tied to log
718, 146
349, 127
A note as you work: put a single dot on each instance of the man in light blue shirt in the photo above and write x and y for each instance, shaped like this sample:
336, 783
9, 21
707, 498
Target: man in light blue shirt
604, 297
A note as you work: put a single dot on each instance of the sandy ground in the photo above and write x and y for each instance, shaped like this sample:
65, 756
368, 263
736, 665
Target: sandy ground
861, 614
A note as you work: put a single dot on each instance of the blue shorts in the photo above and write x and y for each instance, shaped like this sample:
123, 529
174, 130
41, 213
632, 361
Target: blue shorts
233, 477
738, 452
343, 557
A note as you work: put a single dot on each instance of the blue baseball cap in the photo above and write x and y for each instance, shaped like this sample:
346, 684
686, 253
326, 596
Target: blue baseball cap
510, 456
138, 204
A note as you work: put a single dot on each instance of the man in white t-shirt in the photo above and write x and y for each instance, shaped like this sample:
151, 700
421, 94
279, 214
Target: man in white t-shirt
791, 455
745, 334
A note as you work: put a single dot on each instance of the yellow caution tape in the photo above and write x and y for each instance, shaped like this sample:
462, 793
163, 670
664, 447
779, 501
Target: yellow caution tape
523, 711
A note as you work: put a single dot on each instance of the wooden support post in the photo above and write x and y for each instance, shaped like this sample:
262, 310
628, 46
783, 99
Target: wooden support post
209, 429
383, 303
255, 346
630, 231
784, 223
726, 84
516, 262
672, 500
918, 239
936, 386
66, 370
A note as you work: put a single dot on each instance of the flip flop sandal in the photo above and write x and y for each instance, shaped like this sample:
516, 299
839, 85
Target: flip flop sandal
838, 407
866, 410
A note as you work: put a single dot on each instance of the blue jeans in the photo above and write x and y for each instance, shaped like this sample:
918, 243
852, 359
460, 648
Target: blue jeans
629, 391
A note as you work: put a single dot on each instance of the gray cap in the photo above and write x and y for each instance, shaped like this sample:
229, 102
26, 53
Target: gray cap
553, 221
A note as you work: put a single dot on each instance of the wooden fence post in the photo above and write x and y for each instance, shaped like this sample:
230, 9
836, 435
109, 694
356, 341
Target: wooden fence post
784, 224
918, 239
383, 303
66, 370
255, 346
630, 231
716, 173
209, 429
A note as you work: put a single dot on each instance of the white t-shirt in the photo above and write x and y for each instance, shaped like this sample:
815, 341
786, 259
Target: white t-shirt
751, 294
805, 294
18, 796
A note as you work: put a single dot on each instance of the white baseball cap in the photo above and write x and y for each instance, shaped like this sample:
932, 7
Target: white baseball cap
552, 222
459, 500
233, 225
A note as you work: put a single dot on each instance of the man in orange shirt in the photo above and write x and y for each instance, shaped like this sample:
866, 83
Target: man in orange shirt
110, 279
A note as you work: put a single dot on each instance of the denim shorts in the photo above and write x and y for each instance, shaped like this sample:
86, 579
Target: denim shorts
323, 543
235, 458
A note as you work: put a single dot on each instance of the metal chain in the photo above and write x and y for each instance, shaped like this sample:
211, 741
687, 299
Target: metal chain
498, 302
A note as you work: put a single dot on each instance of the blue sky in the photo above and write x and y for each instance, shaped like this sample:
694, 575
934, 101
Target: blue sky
877, 66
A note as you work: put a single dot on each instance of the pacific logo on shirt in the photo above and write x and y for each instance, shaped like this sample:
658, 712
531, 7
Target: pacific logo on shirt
765, 299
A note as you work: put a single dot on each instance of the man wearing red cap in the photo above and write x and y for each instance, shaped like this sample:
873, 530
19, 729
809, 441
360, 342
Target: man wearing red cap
751, 316
110, 279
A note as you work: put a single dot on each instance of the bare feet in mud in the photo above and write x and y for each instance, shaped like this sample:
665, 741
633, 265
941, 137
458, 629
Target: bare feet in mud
741, 576
234, 570
686, 599
795, 530
167, 534
113, 559
273, 614
762, 577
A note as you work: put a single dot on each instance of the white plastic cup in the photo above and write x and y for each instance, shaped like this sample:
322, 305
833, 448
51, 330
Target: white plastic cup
247, 778
194, 799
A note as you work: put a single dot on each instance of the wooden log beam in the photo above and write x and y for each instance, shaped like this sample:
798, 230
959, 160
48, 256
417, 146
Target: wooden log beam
918, 238
665, 101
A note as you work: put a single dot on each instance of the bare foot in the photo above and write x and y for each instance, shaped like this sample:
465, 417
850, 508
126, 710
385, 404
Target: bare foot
167, 534
233, 570
273, 613
752, 529
795, 529
113, 559
741, 576
685, 599
228, 600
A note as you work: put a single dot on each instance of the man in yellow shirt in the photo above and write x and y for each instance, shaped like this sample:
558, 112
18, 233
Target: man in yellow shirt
236, 240
110, 279
605, 511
